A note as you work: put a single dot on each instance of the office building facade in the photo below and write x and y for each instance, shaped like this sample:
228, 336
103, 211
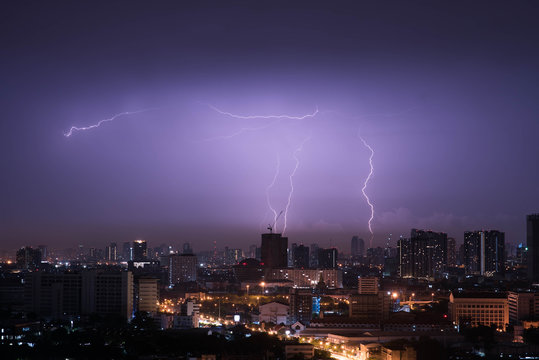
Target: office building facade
301, 257
182, 268
327, 258
484, 252
475, 309
423, 255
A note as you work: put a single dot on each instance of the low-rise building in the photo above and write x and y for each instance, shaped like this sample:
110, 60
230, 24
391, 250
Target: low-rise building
370, 307
483, 308
523, 305
274, 312
398, 352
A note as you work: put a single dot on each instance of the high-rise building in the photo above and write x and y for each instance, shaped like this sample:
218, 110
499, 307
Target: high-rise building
140, 250
301, 306
313, 261
59, 295
147, 294
182, 268
233, 256
522, 254
532, 239
28, 258
44, 252
327, 258
354, 245
111, 252
252, 252
107, 292
484, 252
187, 249
274, 250
291, 251
451, 252
423, 255
357, 246
301, 257
127, 251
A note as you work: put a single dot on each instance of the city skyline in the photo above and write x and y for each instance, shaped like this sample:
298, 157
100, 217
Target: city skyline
446, 99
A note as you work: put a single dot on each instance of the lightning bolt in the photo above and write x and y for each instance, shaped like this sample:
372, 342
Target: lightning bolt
250, 117
74, 129
365, 187
291, 178
277, 119
270, 186
241, 131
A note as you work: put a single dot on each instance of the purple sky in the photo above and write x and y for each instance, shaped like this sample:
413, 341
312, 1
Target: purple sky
446, 95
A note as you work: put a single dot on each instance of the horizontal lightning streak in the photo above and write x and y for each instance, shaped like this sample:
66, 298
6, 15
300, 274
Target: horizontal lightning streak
241, 131
250, 117
74, 129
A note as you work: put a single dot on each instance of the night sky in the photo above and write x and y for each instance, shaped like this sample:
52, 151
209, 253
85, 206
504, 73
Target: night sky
446, 95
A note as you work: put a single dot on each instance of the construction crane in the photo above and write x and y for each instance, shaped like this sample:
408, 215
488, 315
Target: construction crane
270, 226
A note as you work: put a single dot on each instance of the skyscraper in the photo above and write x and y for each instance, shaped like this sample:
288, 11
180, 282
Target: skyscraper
140, 250
44, 252
327, 258
28, 258
532, 239
187, 249
111, 252
451, 252
313, 261
127, 251
182, 268
423, 255
357, 246
484, 252
353, 245
301, 257
274, 250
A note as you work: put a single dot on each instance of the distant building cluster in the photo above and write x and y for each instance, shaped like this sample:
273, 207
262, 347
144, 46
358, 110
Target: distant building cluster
425, 285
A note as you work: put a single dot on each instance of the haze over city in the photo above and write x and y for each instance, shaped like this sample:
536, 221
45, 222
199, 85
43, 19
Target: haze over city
445, 97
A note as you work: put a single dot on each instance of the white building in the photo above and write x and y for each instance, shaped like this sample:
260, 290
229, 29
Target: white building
274, 312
